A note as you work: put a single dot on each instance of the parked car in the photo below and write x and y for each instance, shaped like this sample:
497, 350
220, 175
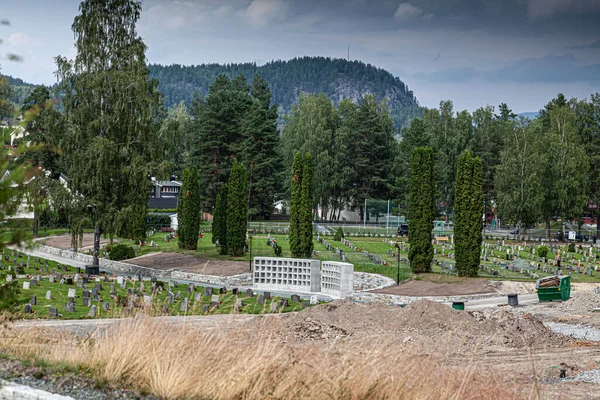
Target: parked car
578, 236
403, 230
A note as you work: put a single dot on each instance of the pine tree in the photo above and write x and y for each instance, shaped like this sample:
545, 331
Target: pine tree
295, 206
188, 210
468, 214
421, 209
306, 227
237, 209
219, 225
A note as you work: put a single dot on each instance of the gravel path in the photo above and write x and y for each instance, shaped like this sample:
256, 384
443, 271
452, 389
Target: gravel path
591, 376
576, 331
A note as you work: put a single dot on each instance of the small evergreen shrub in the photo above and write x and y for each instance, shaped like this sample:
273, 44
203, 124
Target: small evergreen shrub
571, 248
121, 252
542, 251
339, 234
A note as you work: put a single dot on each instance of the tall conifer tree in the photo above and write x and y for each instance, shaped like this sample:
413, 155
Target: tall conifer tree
421, 209
306, 231
296, 206
237, 209
219, 225
188, 210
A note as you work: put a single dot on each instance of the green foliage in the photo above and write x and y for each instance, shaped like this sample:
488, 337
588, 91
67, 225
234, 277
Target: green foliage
112, 109
219, 224
339, 234
542, 251
188, 210
157, 221
237, 209
421, 209
121, 252
295, 207
333, 77
9, 294
468, 211
235, 121
306, 223
571, 248
162, 210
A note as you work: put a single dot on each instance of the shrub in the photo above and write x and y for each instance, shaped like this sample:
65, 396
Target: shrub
157, 221
542, 251
121, 252
571, 248
339, 234
277, 250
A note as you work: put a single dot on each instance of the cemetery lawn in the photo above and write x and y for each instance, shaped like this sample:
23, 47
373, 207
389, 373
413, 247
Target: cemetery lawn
60, 297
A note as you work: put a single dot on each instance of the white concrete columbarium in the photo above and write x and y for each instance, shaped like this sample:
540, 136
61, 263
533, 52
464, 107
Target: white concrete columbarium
287, 274
337, 278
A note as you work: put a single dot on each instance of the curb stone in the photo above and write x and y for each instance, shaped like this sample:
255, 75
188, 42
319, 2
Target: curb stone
13, 391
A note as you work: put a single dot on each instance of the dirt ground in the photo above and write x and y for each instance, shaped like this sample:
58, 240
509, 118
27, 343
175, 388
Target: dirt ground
64, 241
440, 285
189, 263
501, 342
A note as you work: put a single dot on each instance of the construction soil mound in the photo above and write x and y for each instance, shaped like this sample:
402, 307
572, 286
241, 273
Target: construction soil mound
189, 263
423, 322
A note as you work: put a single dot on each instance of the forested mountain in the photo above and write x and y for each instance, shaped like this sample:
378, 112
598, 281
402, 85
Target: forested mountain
19, 89
337, 78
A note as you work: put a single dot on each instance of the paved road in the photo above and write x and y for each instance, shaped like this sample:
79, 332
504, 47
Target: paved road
84, 326
478, 304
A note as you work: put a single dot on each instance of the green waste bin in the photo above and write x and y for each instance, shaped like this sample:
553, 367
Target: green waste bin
562, 291
458, 305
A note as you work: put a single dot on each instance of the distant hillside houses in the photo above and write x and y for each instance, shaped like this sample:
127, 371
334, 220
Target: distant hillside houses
164, 194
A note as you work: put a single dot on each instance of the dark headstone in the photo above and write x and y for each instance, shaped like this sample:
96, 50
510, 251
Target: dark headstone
208, 292
261, 299
267, 295
223, 290
249, 293
295, 298
27, 309
283, 303
105, 306
70, 307
205, 309
305, 304
33, 300
234, 291
53, 312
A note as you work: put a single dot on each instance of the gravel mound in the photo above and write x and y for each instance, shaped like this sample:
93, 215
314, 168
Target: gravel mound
423, 322
581, 302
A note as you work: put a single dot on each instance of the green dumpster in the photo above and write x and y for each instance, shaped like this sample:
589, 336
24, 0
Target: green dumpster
553, 288
458, 305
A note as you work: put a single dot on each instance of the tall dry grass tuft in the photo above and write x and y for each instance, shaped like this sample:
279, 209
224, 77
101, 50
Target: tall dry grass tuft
176, 362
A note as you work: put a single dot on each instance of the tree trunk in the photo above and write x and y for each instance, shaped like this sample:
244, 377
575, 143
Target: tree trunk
597, 223
361, 211
547, 229
97, 234
36, 221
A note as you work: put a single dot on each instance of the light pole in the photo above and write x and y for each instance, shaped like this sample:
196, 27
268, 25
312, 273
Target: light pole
398, 254
250, 250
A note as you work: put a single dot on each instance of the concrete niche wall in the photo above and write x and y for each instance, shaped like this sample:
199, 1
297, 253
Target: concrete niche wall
337, 278
287, 274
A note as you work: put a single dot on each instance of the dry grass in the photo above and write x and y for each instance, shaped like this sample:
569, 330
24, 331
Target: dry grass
182, 362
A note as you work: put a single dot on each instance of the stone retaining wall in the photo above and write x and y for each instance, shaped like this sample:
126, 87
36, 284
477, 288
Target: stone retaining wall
116, 266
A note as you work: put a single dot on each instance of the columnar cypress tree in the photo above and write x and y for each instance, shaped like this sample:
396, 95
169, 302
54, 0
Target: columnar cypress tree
421, 209
188, 210
468, 212
219, 225
237, 209
306, 231
296, 206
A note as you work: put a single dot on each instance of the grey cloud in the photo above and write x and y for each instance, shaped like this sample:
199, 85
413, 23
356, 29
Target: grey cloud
458, 74
593, 45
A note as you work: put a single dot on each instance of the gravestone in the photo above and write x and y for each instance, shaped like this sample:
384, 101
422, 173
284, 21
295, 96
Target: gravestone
178, 295
113, 290
26, 285
171, 298
70, 307
234, 291
273, 307
215, 299
314, 300
105, 306
92, 312
267, 295
48, 295
191, 287
53, 312
80, 284
205, 309
223, 290
184, 305
283, 303
261, 299
249, 293
27, 309
34, 282
295, 298
33, 300
305, 304
148, 301
197, 297
208, 292
120, 280
51, 278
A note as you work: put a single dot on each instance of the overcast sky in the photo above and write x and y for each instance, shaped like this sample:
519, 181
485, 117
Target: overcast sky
474, 52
